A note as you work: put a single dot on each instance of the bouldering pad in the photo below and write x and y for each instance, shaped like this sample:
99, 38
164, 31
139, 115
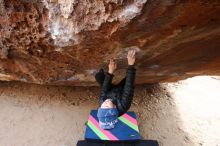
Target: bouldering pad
125, 130
111, 143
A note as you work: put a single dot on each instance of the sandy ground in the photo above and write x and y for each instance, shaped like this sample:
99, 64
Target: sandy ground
34, 115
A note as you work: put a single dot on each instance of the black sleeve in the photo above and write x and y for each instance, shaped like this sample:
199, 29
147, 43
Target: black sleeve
105, 87
128, 91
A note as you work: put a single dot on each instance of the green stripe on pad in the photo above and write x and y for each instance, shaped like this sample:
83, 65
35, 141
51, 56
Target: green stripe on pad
97, 131
127, 122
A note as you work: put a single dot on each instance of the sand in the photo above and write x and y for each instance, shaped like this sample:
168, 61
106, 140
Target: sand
36, 115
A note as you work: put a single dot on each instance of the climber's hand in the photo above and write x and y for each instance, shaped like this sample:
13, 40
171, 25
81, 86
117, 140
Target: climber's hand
112, 66
131, 57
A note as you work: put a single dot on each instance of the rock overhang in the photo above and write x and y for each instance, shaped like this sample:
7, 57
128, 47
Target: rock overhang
65, 42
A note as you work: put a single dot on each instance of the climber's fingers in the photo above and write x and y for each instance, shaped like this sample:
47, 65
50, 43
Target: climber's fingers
111, 61
131, 54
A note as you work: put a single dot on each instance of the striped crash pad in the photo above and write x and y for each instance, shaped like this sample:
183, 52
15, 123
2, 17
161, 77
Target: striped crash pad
125, 130
113, 143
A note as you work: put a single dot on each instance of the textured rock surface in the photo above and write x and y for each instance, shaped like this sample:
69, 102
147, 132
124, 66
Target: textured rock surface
66, 41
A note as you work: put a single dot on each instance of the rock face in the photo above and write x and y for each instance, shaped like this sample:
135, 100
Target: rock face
65, 42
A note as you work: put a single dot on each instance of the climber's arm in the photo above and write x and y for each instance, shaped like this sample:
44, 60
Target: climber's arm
108, 80
128, 91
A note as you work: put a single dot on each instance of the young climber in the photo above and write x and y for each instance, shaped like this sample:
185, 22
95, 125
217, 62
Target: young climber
115, 100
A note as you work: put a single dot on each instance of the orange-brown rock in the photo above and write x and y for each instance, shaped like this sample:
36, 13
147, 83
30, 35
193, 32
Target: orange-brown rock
65, 42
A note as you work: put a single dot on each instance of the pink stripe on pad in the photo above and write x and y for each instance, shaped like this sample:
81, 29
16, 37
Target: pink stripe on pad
129, 118
106, 132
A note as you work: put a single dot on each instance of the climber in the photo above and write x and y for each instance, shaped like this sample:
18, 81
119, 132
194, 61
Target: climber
115, 100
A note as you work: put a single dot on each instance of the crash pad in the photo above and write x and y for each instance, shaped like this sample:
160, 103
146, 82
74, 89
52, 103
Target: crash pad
126, 129
111, 143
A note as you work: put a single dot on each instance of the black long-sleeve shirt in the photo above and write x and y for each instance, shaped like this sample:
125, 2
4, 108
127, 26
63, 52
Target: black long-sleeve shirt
121, 97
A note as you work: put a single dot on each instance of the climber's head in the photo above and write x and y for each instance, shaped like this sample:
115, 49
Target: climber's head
107, 115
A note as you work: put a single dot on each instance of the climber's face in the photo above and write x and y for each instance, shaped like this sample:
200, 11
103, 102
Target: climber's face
107, 104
